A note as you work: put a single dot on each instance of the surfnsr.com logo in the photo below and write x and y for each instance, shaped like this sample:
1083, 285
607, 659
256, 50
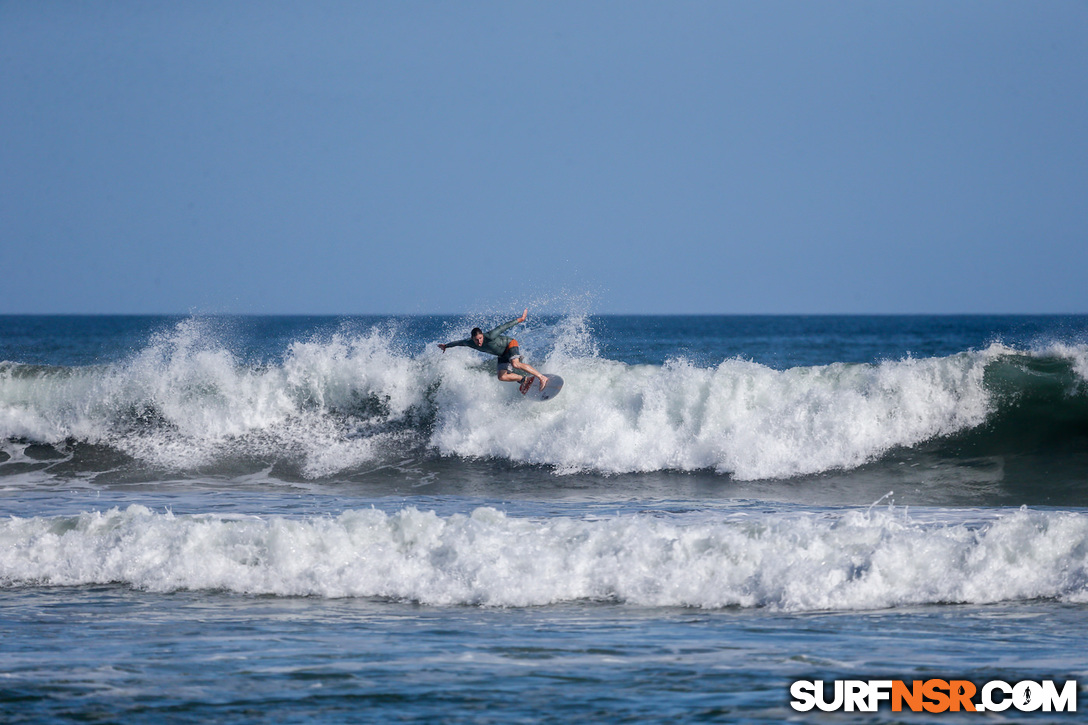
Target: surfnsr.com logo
934, 696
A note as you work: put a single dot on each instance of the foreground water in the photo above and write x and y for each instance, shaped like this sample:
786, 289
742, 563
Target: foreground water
296, 518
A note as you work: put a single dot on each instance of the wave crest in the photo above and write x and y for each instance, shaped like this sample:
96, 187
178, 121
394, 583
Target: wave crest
330, 406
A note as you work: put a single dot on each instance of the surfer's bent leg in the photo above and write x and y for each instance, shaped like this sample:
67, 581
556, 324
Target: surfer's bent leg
508, 376
517, 363
506, 372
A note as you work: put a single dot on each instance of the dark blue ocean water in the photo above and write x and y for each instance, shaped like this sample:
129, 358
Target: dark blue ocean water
295, 519
777, 341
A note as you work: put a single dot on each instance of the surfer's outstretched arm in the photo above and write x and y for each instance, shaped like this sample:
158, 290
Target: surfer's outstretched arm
507, 325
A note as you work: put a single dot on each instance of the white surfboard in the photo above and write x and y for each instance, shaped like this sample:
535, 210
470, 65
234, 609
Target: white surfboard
555, 384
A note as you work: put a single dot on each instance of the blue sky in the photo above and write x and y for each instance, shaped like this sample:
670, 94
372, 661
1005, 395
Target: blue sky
629, 157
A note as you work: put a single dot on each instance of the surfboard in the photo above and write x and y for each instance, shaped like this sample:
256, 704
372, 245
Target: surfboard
555, 384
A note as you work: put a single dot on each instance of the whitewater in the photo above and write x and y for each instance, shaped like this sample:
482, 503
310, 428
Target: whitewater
208, 518
796, 562
332, 406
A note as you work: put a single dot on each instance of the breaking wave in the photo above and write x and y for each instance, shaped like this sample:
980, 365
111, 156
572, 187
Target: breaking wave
851, 560
339, 404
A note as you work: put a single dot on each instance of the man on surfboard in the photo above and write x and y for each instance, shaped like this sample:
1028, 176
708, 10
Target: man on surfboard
496, 343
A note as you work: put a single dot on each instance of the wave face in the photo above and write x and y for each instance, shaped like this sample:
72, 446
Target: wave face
340, 404
853, 560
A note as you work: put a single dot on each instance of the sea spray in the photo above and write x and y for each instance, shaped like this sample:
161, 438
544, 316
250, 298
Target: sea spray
333, 405
740, 417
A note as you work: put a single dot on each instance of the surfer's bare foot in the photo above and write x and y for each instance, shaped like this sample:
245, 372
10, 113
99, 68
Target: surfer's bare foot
543, 382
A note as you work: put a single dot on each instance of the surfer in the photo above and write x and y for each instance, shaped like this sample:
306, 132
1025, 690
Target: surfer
495, 343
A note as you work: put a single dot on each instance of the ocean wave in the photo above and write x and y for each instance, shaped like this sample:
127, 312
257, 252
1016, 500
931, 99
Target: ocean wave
335, 405
858, 559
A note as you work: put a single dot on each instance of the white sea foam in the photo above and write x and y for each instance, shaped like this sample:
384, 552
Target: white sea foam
185, 402
740, 417
338, 403
1075, 354
812, 561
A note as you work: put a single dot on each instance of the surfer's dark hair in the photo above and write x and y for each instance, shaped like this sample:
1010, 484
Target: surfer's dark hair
474, 331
